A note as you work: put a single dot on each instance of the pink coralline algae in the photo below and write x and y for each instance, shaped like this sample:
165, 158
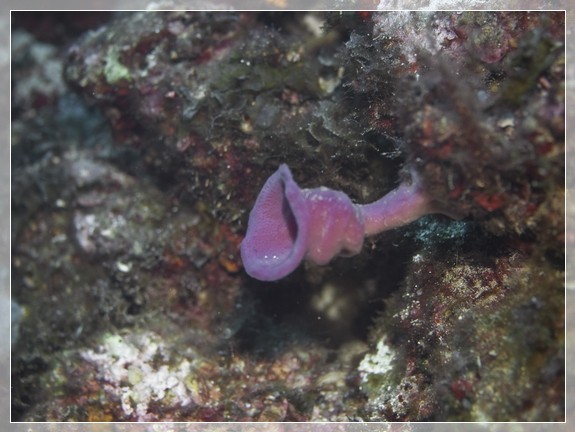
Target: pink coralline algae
288, 224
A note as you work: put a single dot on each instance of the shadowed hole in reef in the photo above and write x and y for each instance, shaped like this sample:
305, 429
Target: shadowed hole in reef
328, 305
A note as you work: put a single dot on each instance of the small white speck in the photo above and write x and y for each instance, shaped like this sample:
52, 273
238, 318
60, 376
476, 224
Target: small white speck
124, 267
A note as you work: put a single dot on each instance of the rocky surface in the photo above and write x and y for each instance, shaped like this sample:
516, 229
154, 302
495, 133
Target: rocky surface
140, 141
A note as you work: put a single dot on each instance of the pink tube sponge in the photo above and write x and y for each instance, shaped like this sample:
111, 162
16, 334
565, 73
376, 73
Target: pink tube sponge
288, 224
